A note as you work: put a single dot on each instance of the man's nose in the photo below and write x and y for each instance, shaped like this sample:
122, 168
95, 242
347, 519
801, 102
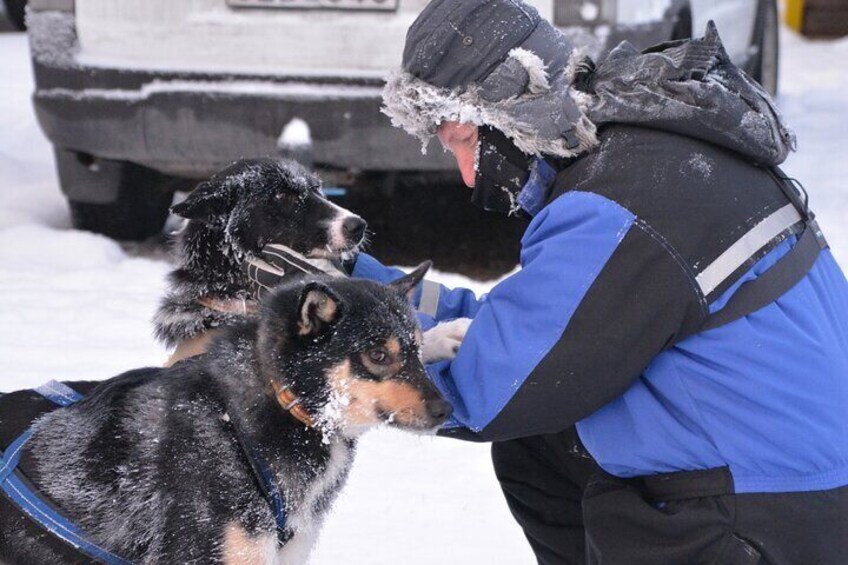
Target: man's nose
466, 157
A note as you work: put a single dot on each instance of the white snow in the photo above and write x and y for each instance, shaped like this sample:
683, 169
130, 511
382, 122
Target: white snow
642, 12
57, 45
78, 306
295, 134
699, 163
291, 90
813, 86
589, 11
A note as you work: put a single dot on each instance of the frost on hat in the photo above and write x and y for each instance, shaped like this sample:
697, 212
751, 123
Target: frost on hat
495, 63
454, 43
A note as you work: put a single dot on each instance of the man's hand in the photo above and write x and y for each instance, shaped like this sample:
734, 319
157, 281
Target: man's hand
443, 341
275, 261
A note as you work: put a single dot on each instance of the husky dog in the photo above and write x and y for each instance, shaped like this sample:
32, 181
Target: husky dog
231, 217
158, 465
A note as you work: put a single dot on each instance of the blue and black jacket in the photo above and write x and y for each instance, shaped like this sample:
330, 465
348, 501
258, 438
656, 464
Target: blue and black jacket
639, 242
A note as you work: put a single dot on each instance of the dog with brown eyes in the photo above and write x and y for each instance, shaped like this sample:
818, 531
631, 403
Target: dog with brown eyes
234, 456
230, 219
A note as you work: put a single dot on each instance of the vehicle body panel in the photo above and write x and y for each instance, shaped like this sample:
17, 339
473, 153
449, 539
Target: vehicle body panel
209, 35
186, 87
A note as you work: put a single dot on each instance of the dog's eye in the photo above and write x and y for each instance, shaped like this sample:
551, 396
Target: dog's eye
378, 356
290, 197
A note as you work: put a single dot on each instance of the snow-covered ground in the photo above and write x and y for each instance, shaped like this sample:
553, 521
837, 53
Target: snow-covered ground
78, 306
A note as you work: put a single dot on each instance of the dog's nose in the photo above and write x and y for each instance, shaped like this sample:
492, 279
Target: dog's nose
439, 409
354, 228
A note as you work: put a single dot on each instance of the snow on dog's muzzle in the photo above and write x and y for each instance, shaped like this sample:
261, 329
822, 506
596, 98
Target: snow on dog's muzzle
346, 232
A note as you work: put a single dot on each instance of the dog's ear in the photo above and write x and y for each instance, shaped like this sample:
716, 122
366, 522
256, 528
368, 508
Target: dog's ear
320, 307
407, 283
209, 200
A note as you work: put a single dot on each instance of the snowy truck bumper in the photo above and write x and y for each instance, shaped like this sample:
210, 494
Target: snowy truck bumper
192, 128
192, 124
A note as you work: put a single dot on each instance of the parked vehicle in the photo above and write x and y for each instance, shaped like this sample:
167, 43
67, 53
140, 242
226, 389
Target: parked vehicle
15, 10
139, 97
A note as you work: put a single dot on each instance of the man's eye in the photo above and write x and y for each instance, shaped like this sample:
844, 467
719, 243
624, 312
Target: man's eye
378, 356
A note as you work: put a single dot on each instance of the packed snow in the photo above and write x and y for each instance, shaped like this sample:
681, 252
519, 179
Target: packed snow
643, 12
75, 305
289, 91
295, 134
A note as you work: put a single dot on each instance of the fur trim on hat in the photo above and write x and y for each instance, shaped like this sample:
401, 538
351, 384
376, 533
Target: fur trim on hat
536, 70
419, 108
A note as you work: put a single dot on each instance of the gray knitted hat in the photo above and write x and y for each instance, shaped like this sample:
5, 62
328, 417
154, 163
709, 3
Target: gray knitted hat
495, 63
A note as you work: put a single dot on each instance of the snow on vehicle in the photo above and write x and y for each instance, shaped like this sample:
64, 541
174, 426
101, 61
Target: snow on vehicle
141, 96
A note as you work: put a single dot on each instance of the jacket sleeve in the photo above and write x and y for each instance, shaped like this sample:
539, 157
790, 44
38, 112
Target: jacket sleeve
434, 302
598, 296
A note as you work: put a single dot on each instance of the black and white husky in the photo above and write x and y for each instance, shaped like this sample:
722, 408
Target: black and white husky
230, 218
159, 465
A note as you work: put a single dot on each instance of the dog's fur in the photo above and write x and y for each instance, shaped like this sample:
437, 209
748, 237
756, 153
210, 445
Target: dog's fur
231, 217
150, 467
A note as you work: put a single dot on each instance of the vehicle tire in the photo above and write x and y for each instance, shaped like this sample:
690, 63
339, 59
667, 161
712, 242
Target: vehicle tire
119, 199
764, 66
16, 10
135, 216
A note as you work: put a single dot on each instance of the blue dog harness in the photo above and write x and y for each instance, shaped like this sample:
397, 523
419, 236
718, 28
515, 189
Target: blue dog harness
265, 480
20, 493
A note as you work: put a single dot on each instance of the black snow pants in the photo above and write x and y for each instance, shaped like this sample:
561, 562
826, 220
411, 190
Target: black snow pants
572, 512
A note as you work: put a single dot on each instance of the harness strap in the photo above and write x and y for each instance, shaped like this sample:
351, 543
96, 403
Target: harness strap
12, 455
59, 393
774, 283
265, 480
788, 271
741, 251
17, 489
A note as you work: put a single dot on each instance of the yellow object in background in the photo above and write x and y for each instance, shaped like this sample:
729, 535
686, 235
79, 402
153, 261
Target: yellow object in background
817, 18
795, 14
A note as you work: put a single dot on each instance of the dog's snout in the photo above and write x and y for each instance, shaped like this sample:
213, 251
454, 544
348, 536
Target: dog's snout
353, 228
439, 409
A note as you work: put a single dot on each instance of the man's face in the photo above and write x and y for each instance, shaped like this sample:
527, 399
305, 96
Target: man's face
461, 140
